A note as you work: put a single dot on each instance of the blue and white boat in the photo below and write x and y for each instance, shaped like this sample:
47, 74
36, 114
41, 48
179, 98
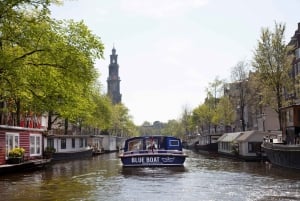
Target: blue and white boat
148, 151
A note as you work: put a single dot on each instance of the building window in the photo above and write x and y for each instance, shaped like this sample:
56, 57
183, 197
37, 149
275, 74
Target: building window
290, 117
12, 141
73, 143
63, 143
250, 147
135, 145
81, 142
297, 53
254, 147
35, 144
297, 68
50, 143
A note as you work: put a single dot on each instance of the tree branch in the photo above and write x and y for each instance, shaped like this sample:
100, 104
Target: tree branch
27, 54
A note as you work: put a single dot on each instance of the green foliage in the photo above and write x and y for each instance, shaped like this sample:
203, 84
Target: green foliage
272, 65
225, 111
48, 65
121, 123
202, 117
174, 128
50, 150
100, 116
186, 120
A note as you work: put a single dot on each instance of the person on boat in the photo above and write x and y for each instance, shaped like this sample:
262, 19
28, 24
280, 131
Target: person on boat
152, 146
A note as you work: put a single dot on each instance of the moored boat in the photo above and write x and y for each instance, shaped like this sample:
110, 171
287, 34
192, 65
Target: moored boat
285, 150
70, 155
69, 146
243, 145
29, 165
282, 154
208, 143
156, 150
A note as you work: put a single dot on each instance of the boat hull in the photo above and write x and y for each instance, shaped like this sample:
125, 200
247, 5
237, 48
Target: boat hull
57, 156
30, 165
283, 155
152, 160
207, 148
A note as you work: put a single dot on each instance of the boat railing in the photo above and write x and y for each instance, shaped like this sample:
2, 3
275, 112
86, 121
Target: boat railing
153, 151
281, 146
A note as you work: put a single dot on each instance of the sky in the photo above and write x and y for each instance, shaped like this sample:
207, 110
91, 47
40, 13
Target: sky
169, 51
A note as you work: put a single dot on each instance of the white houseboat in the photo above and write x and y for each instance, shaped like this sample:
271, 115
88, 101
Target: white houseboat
242, 145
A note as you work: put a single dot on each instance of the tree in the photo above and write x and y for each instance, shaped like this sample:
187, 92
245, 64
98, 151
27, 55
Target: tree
239, 76
214, 92
122, 124
186, 120
215, 89
226, 111
16, 20
273, 65
48, 65
202, 117
174, 128
100, 115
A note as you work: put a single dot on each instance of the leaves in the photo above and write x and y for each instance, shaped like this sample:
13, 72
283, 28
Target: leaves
47, 65
273, 65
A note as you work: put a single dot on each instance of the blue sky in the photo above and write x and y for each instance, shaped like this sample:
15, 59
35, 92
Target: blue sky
170, 50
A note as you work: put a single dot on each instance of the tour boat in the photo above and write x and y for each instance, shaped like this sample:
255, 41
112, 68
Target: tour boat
147, 151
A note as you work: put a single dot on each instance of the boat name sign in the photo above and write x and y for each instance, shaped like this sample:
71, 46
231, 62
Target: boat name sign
151, 160
145, 160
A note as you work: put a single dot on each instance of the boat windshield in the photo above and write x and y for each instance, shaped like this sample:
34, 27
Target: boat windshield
152, 143
136, 144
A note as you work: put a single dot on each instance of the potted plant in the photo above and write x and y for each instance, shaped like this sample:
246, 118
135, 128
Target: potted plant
49, 151
16, 155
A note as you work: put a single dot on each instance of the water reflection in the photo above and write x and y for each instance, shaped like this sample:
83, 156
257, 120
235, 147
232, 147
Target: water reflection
219, 163
202, 178
153, 171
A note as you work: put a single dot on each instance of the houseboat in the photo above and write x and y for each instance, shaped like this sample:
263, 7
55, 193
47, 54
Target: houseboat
244, 145
68, 146
21, 149
148, 151
286, 152
96, 142
207, 143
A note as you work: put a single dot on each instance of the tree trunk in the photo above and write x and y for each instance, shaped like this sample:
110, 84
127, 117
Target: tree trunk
2, 104
18, 111
49, 120
66, 126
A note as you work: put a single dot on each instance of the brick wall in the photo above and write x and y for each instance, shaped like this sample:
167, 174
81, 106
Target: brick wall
2, 148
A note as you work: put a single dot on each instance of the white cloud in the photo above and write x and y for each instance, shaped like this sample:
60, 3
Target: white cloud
160, 8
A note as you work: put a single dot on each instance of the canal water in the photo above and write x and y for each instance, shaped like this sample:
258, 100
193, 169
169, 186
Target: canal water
202, 178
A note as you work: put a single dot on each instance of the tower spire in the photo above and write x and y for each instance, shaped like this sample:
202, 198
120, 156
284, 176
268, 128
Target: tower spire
113, 80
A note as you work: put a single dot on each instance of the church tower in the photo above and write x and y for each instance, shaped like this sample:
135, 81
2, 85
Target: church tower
113, 80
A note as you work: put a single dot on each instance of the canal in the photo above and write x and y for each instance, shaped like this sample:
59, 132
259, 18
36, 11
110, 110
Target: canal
202, 178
